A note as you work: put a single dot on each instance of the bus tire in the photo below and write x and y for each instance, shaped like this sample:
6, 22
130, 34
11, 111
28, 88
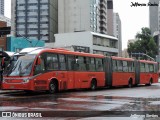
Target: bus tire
130, 83
150, 82
53, 87
93, 84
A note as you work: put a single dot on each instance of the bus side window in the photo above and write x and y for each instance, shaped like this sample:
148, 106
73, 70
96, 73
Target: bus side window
130, 66
71, 62
142, 67
147, 67
114, 65
99, 64
151, 68
155, 68
87, 62
52, 62
120, 66
62, 62
80, 63
92, 65
125, 66
133, 67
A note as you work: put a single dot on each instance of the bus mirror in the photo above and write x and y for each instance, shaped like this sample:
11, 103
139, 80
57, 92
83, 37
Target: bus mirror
38, 61
2, 62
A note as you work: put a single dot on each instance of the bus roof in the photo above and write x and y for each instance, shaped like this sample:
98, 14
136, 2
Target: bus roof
121, 58
10, 53
64, 51
27, 50
147, 61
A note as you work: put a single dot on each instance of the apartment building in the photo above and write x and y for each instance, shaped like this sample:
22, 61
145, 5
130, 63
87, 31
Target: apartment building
117, 32
82, 15
35, 19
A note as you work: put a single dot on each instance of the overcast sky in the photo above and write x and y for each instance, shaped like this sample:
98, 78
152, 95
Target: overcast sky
7, 8
132, 18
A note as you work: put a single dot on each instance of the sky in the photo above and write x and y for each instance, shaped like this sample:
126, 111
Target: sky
7, 8
132, 18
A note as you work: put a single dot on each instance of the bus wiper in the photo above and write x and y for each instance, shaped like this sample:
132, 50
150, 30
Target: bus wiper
10, 70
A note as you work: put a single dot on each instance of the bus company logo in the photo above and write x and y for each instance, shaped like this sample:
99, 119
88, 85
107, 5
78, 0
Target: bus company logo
6, 114
21, 115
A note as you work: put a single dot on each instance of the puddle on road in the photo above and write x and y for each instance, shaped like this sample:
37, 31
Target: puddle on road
10, 108
48, 103
154, 102
67, 101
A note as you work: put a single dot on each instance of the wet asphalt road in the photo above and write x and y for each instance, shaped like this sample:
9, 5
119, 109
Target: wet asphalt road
121, 102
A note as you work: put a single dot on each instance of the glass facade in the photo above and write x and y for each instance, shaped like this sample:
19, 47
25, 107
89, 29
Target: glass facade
34, 17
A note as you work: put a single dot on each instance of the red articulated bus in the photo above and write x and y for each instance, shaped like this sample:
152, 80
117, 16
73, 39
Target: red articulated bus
120, 71
128, 71
53, 70
148, 72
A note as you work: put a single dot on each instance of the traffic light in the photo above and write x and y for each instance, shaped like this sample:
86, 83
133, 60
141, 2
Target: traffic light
5, 30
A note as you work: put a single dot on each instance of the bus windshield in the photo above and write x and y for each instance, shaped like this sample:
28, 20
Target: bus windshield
22, 67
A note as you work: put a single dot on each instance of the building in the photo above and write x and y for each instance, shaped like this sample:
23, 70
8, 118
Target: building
125, 53
5, 19
35, 19
156, 36
17, 44
110, 17
90, 42
117, 31
1, 7
153, 16
3, 38
82, 15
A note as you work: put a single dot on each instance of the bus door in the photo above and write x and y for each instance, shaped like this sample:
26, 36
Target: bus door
148, 74
153, 70
118, 75
156, 73
71, 72
143, 73
137, 72
81, 78
108, 71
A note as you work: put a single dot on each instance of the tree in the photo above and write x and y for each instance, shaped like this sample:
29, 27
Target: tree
144, 44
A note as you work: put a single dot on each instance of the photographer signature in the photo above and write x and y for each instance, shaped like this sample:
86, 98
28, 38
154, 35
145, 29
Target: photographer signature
136, 4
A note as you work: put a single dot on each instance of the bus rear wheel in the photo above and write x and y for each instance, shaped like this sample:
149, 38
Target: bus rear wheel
130, 83
93, 85
150, 83
53, 87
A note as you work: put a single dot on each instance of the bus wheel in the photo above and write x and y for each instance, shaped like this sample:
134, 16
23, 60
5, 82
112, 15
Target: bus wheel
150, 83
53, 87
93, 85
130, 83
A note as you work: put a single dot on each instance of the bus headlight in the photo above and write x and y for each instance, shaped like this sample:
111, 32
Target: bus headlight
26, 80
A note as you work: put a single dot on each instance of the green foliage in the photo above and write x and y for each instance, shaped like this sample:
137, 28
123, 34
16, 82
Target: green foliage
144, 44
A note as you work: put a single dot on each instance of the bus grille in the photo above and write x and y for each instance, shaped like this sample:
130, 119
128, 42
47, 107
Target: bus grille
40, 87
13, 81
38, 82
